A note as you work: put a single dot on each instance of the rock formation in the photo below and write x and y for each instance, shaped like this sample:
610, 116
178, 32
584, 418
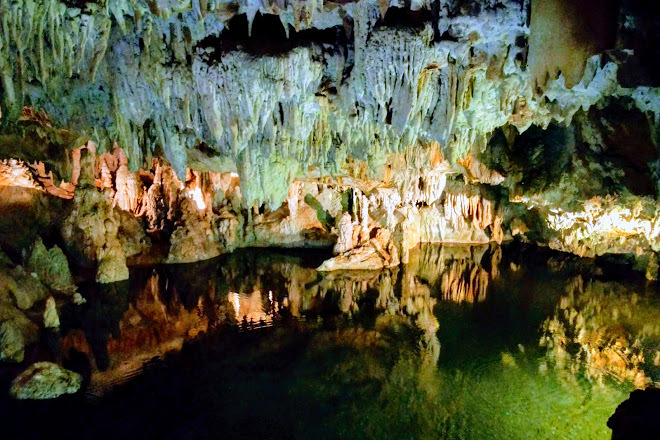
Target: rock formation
45, 380
179, 131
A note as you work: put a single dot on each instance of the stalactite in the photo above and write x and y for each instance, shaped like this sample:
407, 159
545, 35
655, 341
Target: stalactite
459, 207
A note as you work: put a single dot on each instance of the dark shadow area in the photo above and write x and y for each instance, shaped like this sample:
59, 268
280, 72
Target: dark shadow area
269, 37
638, 418
642, 67
627, 146
405, 18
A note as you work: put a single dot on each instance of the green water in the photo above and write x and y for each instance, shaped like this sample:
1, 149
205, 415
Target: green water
461, 343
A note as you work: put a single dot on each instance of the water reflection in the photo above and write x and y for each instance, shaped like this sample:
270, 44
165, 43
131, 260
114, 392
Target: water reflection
447, 345
250, 309
603, 330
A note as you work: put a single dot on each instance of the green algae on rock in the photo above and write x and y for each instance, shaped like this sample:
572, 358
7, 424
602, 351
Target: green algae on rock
44, 380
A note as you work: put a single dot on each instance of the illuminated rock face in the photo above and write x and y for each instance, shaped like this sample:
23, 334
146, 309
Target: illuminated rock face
184, 130
45, 380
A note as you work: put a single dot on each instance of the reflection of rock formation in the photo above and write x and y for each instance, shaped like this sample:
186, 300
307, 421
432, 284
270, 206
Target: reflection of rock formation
417, 302
459, 284
124, 324
254, 307
121, 327
458, 270
604, 331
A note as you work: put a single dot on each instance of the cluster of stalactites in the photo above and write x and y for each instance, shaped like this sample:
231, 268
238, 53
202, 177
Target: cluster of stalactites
266, 124
459, 207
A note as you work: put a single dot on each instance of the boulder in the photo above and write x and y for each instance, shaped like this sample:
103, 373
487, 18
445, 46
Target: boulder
52, 267
16, 331
45, 380
12, 343
378, 253
24, 287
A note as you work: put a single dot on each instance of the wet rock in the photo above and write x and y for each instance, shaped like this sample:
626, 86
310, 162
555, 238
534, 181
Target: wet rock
90, 233
111, 257
362, 258
51, 319
194, 238
347, 234
478, 172
131, 234
16, 330
378, 253
129, 189
52, 267
25, 287
12, 342
44, 380
652, 267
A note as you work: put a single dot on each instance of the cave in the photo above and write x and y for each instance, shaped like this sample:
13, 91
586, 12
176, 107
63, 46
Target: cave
361, 219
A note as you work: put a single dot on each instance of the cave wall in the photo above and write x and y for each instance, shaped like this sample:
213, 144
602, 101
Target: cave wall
371, 125
200, 84
564, 34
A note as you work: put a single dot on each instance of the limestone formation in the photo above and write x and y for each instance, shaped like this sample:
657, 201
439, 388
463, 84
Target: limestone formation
44, 380
91, 231
447, 121
194, 237
23, 285
12, 342
51, 319
16, 332
51, 267
378, 253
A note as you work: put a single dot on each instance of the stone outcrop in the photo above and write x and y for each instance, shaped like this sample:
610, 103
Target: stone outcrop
44, 380
51, 267
194, 237
90, 232
377, 253
51, 319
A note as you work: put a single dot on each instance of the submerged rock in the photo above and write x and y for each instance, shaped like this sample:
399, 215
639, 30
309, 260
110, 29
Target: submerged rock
45, 380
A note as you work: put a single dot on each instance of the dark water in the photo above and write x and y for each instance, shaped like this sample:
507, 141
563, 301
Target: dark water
461, 343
